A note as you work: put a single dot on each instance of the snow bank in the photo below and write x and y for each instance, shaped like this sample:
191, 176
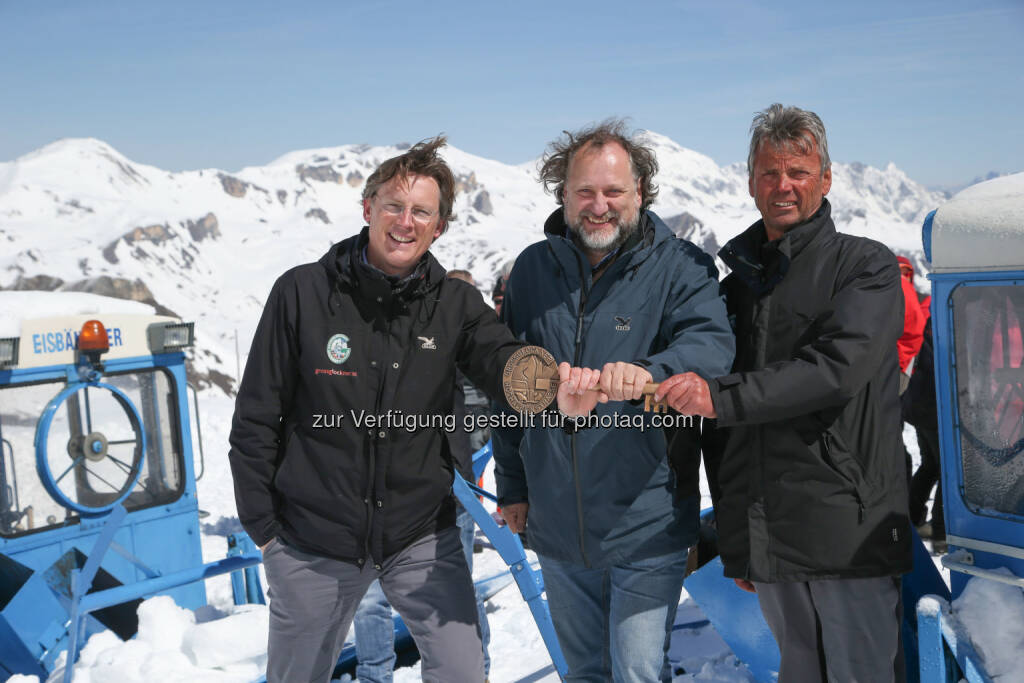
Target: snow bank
172, 646
992, 615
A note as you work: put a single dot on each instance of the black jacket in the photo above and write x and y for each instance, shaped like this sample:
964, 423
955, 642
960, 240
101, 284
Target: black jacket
810, 459
339, 341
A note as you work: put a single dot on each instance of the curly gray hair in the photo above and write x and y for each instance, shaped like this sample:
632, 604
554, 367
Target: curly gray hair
554, 169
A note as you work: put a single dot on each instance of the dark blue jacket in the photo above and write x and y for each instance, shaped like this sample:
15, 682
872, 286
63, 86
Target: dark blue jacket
607, 495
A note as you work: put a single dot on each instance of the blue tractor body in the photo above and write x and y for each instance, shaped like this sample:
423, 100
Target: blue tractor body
975, 244
97, 484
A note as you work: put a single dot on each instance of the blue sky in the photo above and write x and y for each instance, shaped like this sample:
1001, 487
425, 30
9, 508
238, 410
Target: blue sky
936, 87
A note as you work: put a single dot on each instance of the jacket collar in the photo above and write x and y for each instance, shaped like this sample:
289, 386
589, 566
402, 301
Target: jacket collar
345, 267
761, 264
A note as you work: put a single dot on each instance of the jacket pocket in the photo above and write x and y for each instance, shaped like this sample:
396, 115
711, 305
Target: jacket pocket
840, 461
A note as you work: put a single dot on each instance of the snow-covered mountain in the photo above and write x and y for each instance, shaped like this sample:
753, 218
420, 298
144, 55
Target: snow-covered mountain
951, 189
208, 244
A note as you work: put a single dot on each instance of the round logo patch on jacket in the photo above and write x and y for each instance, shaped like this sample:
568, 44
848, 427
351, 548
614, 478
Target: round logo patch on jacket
337, 349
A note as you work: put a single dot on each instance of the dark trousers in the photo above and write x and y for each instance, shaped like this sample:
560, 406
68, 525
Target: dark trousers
313, 600
837, 630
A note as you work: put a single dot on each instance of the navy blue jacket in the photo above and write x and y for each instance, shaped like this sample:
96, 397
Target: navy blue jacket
607, 495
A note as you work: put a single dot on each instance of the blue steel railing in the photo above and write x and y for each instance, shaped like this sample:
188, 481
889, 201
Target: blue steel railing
939, 646
510, 548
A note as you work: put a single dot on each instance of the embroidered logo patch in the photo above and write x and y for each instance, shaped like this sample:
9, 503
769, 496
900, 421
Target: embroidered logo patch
427, 343
338, 350
622, 324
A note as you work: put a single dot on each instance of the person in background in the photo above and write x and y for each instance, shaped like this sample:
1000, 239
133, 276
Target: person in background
500, 282
374, 621
610, 286
812, 512
909, 343
920, 411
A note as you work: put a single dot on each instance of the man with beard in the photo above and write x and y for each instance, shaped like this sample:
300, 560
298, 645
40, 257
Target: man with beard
610, 287
812, 510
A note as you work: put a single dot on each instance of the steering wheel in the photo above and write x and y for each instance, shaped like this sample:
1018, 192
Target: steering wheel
96, 471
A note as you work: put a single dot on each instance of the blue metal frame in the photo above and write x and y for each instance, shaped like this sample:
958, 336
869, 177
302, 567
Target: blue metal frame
246, 587
980, 540
943, 654
962, 520
926, 235
143, 563
530, 582
82, 604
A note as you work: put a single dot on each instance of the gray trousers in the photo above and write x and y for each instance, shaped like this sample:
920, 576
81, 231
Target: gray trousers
839, 631
313, 600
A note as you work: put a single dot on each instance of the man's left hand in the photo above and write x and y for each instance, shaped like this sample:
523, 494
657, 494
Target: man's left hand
624, 381
688, 394
575, 397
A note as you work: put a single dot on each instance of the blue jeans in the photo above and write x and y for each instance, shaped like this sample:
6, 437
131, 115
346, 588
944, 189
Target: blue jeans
375, 635
614, 623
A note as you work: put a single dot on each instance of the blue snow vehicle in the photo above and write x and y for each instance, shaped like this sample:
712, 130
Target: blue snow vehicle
96, 473
975, 244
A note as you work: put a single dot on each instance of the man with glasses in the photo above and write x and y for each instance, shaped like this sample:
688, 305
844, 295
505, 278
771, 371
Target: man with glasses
341, 464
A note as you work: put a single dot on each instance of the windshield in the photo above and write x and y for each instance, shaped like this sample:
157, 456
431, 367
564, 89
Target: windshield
93, 449
989, 321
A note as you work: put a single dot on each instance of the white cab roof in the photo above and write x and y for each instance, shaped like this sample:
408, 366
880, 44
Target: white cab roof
981, 228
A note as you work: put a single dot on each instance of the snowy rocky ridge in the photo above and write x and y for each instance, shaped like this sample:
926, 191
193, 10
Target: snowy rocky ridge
206, 245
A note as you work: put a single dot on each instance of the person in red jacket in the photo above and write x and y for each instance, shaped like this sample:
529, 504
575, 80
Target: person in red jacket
909, 343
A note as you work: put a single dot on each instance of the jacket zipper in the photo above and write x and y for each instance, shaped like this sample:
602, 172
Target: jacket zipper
577, 353
368, 498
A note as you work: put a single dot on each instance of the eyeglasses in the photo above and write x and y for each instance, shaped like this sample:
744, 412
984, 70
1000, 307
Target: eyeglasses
419, 214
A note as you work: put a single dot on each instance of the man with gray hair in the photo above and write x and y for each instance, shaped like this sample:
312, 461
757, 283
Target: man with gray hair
609, 287
812, 513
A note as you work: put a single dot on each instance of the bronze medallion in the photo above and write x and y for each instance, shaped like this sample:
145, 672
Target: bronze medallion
530, 380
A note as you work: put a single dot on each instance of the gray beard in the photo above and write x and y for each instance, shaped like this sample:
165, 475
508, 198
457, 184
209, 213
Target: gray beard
592, 242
